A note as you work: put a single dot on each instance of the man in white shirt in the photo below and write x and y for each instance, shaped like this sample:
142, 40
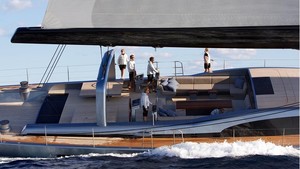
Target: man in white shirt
122, 62
145, 103
151, 70
206, 58
132, 72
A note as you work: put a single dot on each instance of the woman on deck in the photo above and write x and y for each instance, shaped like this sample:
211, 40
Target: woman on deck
122, 62
206, 58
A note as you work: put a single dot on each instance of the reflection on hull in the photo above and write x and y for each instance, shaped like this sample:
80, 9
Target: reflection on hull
273, 127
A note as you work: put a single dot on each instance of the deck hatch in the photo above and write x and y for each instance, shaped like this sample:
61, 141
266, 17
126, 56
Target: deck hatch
52, 108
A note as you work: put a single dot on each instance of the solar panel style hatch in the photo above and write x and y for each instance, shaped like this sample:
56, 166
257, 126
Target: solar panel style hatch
52, 108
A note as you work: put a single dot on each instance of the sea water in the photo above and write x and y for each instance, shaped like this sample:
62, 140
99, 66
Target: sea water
254, 154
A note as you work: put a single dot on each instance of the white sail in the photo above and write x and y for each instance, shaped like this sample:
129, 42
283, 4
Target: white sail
169, 13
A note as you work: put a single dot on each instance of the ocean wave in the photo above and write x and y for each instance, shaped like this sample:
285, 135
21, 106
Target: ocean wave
213, 150
4, 160
193, 150
109, 154
225, 149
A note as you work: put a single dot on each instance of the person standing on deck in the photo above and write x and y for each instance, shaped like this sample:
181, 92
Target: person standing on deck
122, 62
145, 103
151, 70
132, 72
207, 60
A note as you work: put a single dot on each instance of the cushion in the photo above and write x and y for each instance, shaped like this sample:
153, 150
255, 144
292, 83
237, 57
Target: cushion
166, 88
239, 83
173, 80
185, 80
171, 113
202, 80
202, 86
164, 82
162, 112
220, 79
185, 87
173, 86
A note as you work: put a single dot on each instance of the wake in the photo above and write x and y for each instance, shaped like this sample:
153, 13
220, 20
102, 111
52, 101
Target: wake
225, 149
193, 150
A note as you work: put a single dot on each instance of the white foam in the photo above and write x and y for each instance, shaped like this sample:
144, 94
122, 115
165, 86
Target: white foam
225, 149
200, 150
4, 160
111, 154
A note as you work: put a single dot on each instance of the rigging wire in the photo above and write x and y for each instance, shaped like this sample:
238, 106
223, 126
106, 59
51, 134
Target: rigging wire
49, 65
52, 64
55, 63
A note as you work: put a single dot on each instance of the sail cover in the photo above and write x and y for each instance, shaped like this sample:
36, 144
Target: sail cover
62, 14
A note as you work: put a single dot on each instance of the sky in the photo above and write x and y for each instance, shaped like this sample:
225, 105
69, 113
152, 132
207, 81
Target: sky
21, 62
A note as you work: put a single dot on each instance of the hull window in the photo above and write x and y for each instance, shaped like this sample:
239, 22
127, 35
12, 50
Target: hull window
263, 85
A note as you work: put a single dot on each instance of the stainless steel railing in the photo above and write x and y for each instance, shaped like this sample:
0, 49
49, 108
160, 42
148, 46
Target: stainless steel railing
152, 138
93, 140
167, 68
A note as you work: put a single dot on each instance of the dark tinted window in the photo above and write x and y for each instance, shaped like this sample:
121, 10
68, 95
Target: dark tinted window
263, 85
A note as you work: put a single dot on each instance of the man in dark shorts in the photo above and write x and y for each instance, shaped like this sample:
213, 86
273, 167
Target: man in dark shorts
206, 58
122, 62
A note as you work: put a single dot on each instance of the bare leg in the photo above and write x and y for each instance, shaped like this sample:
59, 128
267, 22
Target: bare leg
122, 73
132, 85
145, 118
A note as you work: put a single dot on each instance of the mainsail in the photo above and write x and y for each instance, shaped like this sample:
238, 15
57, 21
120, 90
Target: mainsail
168, 23
169, 13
